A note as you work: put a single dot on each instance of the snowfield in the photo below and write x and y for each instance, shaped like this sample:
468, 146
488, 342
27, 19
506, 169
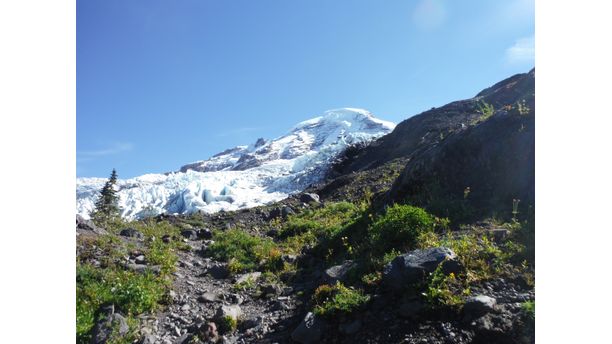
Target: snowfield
244, 176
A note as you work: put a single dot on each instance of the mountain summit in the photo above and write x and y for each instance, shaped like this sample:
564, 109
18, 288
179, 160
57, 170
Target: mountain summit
243, 176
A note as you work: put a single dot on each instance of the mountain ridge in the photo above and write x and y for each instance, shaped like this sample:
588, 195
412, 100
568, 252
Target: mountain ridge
244, 176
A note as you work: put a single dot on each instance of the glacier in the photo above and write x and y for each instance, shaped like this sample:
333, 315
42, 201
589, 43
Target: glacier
244, 176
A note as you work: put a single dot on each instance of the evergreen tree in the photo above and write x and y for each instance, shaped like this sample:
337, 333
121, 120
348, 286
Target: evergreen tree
107, 205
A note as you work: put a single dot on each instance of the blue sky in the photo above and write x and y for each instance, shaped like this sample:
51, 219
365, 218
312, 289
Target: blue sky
164, 83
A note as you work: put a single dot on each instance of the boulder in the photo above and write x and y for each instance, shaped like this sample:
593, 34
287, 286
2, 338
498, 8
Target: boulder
493, 328
208, 297
413, 267
309, 197
141, 268
88, 225
310, 330
140, 259
350, 328
190, 234
338, 272
131, 233
228, 311
109, 322
286, 211
208, 332
206, 234
271, 290
219, 271
479, 305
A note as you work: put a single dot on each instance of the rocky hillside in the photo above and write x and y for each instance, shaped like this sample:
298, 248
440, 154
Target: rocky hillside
467, 160
411, 239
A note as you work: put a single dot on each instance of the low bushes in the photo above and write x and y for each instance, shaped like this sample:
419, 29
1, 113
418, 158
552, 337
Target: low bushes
400, 227
245, 252
336, 300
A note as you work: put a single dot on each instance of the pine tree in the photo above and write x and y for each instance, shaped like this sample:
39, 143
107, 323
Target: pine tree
107, 205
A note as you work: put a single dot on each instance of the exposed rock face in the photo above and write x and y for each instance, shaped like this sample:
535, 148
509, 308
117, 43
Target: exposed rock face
309, 197
229, 311
420, 132
495, 160
413, 266
477, 172
479, 305
83, 225
310, 330
466, 160
338, 272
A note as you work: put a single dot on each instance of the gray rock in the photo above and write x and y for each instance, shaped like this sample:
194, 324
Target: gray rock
219, 271
184, 339
310, 330
140, 259
147, 338
309, 197
412, 267
286, 211
190, 234
208, 332
271, 290
109, 323
251, 322
88, 225
232, 311
478, 305
235, 298
351, 327
338, 272
206, 234
208, 297
131, 233
251, 276
141, 269
492, 328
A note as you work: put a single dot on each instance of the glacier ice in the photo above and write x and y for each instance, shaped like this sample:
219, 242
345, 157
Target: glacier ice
245, 176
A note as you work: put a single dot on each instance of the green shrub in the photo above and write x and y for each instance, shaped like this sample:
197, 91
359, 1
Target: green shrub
441, 289
245, 252
322, 221
338, 300
130, 292
529, 309
227, 324
400, 226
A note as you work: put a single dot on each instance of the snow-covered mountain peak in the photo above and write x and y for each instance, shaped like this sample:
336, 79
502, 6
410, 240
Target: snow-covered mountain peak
244, 176
344, 117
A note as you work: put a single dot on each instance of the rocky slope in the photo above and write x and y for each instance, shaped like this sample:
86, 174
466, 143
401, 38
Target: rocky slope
466, 160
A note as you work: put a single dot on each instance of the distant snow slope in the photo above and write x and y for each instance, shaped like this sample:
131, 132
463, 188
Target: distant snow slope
244, 176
